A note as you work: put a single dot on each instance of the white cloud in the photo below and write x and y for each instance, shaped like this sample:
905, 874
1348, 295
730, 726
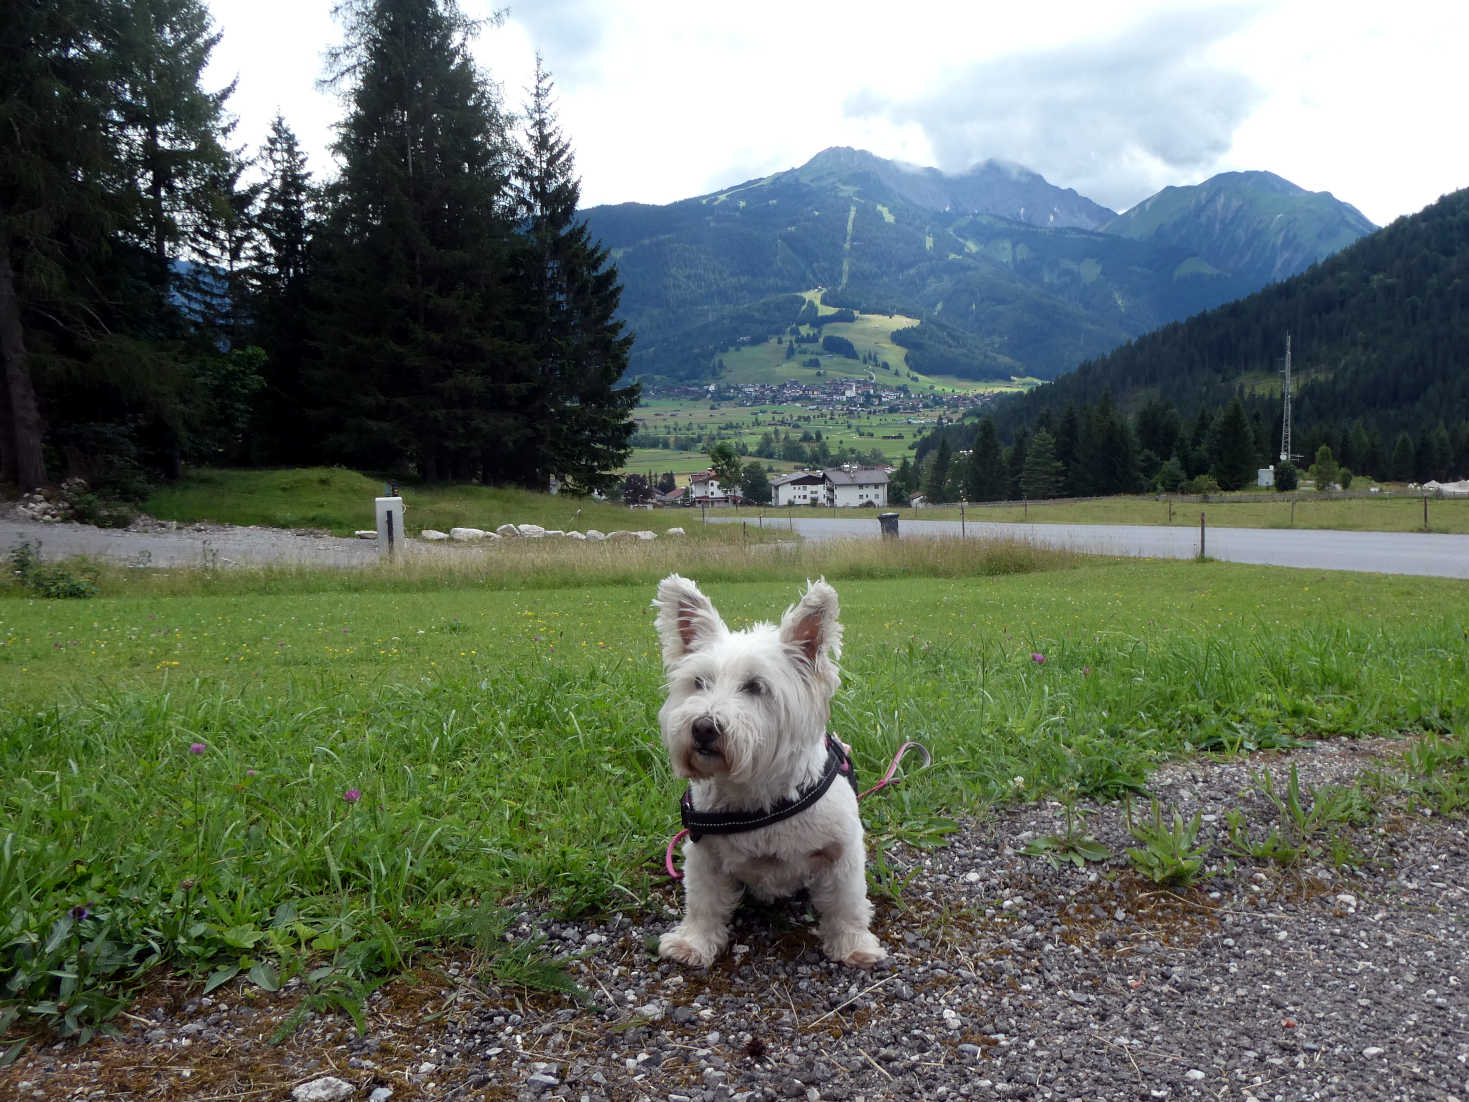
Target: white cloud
663, 100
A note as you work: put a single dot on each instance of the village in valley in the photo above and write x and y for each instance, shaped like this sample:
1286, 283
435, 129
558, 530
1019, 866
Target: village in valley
867, 429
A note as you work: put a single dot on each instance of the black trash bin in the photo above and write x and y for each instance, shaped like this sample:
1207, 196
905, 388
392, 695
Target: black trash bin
889, 524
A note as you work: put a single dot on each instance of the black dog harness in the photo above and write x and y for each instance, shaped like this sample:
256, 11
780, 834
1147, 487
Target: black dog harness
700, 823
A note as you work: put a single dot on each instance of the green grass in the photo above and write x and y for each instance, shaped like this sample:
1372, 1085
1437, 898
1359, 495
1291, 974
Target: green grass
340, 501
891, 433
499, 732
766, 361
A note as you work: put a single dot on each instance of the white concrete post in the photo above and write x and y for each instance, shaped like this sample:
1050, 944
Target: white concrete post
389, 523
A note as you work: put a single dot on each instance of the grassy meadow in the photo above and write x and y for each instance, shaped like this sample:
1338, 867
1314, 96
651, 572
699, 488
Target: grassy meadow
891, 433
340, 501
326, 775
871, 337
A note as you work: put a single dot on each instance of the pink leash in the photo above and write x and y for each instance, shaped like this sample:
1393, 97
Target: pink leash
890, 777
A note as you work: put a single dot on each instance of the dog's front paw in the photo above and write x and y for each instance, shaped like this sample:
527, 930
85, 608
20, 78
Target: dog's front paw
686, 947
859, 949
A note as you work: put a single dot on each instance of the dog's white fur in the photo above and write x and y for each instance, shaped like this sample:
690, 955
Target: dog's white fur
760, 699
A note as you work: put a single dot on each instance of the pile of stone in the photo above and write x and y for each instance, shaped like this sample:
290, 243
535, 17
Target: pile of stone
36, 506
60, 506
536, 532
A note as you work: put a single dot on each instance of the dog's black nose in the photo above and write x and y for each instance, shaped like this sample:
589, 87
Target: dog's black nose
705, 732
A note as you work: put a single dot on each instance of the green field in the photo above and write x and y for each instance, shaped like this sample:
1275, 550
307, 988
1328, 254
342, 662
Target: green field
892, 433
340, 502
324, 776
871, 336
767, 363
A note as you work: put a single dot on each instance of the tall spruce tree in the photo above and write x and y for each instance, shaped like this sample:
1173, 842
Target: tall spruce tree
169, 129
1068, 448
985, 475
55, 158
113, 153
418, 367
1015, 464
1232, 448
936, 478
1042, 474
581, 419
278, 273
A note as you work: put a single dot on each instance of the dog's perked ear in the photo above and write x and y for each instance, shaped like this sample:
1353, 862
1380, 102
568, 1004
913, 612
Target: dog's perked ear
811, 626
686, 619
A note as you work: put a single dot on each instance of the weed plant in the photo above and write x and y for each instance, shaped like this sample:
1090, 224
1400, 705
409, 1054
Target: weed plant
1307, 824
1074, 845
77, 578
330, 775
1167, 853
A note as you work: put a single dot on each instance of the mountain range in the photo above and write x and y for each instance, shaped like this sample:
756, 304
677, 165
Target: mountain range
1010, 275
1380, 350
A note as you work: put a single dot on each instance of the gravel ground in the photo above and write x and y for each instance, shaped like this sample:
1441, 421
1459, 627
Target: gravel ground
1007, 979
150, 542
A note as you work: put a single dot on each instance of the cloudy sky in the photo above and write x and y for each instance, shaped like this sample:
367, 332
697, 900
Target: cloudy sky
666, 99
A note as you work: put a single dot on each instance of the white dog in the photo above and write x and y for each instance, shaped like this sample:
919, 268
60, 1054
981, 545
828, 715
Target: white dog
768, 807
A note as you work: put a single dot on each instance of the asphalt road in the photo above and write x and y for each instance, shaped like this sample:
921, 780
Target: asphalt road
1440, 555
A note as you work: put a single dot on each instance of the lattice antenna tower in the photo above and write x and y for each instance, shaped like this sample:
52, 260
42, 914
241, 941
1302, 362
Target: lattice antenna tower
1285, 456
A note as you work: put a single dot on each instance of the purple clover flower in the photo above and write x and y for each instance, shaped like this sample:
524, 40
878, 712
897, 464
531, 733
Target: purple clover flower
352, 795
197, 748
1038, 658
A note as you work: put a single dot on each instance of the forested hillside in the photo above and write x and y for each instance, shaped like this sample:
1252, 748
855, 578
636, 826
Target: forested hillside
1380, 343
1380, 334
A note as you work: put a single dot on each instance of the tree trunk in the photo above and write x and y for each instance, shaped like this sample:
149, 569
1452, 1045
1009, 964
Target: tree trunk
20, 431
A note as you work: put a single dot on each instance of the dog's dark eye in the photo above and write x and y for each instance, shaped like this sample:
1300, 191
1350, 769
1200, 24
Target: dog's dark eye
753, 687
700, 684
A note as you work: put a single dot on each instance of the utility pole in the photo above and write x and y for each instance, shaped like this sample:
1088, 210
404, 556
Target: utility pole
1285, 417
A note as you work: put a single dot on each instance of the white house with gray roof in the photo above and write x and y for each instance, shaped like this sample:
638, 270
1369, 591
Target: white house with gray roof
839, 487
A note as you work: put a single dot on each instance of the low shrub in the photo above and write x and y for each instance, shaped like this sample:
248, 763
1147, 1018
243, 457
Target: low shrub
50, 579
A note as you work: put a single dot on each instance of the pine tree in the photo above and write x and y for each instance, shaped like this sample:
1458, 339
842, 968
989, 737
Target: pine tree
1196, 458
755, 483
414, 322
278, 275
985, 472
903, 483
1158, 427
1325, 471
1404, 460
170, 130
1041, 476
1106, 454
1068, 447
936, 478
582, 419
1015, 465
1232, 449
112, 153
54, 156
